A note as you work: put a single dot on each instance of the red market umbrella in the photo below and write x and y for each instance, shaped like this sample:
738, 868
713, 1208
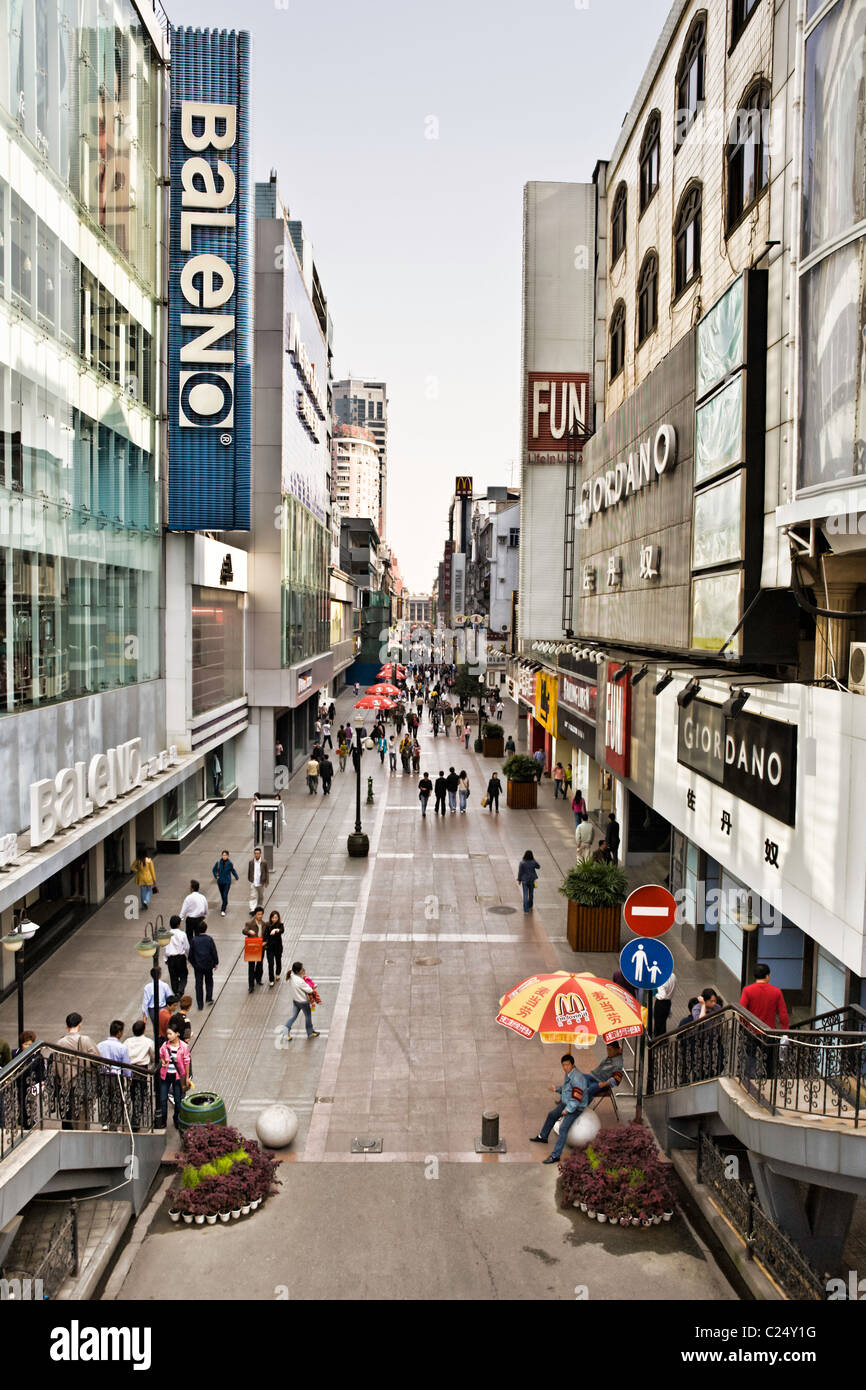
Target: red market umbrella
374, 702
388, 670
389, 691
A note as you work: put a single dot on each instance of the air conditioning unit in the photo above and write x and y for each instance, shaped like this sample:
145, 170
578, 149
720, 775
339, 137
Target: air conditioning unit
857, 668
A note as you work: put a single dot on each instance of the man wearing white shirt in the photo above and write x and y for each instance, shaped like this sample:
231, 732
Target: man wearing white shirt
176, 953
194, 909
258, 874
662, 1005
584, 836
147, 996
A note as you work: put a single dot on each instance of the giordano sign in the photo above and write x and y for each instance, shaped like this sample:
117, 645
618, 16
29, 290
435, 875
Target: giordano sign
751, 757
635, 470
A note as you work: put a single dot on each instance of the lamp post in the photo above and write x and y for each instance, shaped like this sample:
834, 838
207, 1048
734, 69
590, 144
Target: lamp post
358, 844
148, 948
24, 931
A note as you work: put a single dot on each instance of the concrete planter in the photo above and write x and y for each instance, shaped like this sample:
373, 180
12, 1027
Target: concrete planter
494, 747
593, 928
521, 796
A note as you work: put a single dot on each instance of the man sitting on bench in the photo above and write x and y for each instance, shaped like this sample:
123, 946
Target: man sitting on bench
604, 1077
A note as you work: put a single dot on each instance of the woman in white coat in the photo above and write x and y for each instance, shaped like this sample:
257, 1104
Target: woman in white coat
301, 993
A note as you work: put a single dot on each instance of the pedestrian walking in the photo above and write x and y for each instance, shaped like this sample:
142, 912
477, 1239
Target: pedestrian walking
500, 710
612, 837
584, 836
273, 934
459, 724
193, 910
147, 996
145, 877
558, 782
435, 722
114, 1049
494, 790
440, 788
326, 772
601, 855
342, 751
566, 1109
510, 746
332, 711
712, 1056
452, 783
541, 762
463, 792
301, 996
425, 788
416, 756
176, 953
447, 719
527, 877
567, 786
467, 733
767, 1002
357, 688
326, 734
313, 775
174, 1059
259, 876
392, 754
578, 806
224, 871
254, 948
204, 960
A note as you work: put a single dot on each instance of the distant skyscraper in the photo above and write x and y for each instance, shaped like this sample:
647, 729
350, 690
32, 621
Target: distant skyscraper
365, 403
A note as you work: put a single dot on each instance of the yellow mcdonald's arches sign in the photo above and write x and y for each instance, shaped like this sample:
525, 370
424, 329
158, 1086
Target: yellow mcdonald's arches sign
545, 701
463, 487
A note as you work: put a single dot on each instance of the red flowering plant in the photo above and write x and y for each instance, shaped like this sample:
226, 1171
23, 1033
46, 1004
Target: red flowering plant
220, 1171
621, 1173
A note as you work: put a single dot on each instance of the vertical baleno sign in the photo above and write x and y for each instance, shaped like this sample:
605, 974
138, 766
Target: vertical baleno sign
210, 285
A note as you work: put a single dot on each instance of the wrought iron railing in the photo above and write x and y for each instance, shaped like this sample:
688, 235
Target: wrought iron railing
765, 1242
49, 1085
817, 1070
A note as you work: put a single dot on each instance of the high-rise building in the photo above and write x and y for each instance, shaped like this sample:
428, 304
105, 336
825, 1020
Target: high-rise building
355, 472
365, 403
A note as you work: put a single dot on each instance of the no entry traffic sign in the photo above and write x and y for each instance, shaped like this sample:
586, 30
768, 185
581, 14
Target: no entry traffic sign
650, 910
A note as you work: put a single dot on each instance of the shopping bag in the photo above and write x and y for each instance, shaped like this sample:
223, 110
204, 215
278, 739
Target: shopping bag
484, 801
253, 948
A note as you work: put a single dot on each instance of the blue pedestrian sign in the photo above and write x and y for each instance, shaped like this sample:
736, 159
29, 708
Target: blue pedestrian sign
646, 962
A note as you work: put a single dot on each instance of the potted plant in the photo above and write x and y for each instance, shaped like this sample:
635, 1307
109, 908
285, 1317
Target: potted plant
478, 745
493, 738
521, 774
595, 893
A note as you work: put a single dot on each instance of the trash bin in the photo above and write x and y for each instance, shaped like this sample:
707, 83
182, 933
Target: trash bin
201, 1108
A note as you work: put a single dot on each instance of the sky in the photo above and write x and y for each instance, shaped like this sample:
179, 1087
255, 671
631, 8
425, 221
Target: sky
402, 135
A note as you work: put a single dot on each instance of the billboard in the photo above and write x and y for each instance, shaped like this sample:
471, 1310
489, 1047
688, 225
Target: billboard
210, 282
557, 409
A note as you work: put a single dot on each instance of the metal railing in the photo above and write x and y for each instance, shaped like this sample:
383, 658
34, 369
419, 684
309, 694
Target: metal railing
765, 1241
817, 1069
49, 1085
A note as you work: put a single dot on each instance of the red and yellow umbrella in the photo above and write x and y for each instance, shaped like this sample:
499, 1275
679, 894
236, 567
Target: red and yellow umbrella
565, 1008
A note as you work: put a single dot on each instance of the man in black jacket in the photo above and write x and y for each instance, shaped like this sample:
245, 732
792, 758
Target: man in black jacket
612, 837
425, 787
204, 959
440, 788
326, 772
452, 782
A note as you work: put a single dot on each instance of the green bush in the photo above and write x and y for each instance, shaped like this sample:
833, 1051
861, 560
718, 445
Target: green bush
493, 731
592, 884
520, 768
479, 745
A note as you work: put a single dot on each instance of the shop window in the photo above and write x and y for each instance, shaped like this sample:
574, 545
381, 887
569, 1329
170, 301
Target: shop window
69, 295
691, 79
648, 297
617, 341
46, 273
687, 239
649, 160
748, 153
618, 224
783, 950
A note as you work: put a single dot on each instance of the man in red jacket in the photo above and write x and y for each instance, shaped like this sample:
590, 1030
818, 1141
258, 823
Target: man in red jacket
767, 1003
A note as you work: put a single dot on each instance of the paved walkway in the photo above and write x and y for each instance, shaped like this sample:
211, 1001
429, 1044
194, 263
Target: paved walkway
411, 950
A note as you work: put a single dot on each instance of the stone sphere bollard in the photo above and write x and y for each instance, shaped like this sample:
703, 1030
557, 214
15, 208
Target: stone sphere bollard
277, 1126
583, 1131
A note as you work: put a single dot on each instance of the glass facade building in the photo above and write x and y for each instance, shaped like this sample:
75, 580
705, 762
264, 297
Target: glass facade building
80, 107
306, 594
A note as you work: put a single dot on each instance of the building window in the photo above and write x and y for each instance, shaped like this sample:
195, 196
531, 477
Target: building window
748, 152
617, 341
22, 251
690, 79
648, 297
649, 160
687, 239
514, 536
617, 224
741, 14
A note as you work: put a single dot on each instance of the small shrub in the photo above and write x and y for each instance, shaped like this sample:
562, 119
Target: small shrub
493, 731
520, 768
593, 884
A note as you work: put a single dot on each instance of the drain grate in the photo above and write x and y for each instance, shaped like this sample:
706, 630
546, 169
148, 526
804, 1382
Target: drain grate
427, 960
502, 910
366, 1145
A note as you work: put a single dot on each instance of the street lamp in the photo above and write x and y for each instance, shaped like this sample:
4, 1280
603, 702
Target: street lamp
358, 844
148, 948
25, 931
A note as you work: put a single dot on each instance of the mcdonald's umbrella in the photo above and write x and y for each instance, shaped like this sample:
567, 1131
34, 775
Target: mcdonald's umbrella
564, 1008
388, 670
374, 702
390, 691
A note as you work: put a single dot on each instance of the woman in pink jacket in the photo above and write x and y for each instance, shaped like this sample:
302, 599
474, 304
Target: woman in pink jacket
174, 1059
